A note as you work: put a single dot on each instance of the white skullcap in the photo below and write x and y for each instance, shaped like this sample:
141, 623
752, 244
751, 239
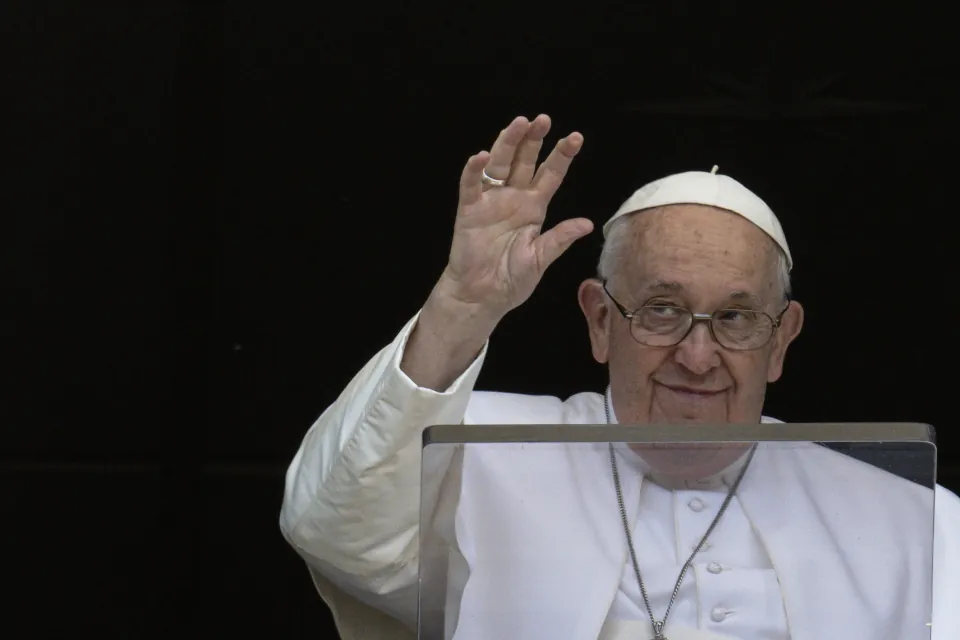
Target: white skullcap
711, 189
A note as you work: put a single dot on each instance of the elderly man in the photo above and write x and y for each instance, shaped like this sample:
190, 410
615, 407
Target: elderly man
692, 315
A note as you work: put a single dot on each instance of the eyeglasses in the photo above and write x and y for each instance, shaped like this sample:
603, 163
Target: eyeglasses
664, 325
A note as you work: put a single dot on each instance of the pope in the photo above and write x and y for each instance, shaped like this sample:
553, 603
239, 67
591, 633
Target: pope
691, 313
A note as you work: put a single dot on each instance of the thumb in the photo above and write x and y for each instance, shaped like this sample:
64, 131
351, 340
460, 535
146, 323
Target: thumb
551, 245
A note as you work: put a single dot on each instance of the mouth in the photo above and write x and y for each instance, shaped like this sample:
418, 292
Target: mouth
692, 392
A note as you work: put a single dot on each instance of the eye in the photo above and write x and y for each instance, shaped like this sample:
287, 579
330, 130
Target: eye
664, 312
661, 303
662, 308
659, 317
730, 314
735, 317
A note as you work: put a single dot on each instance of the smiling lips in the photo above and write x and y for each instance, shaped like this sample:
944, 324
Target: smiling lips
693, 391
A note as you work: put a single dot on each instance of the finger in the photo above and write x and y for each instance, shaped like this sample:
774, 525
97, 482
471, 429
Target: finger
505, 148
552, 244
551, 173
471, 180
525, 162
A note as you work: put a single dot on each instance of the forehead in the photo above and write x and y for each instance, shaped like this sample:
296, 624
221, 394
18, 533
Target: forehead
699, 248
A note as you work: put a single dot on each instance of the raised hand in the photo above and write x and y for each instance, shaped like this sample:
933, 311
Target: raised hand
499, 250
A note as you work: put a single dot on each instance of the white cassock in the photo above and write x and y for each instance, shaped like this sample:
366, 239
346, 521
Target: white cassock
540, 547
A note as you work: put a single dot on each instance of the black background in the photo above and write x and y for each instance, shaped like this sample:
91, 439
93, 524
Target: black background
215, 213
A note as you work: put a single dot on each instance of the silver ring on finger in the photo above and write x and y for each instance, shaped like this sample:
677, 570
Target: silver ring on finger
493, 182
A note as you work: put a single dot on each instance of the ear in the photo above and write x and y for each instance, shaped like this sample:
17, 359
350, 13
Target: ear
790, 325
593, 303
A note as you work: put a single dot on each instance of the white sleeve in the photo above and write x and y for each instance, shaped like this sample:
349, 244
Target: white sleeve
351, 505
946, 566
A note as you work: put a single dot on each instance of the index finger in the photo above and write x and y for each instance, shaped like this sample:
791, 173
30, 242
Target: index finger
470, 179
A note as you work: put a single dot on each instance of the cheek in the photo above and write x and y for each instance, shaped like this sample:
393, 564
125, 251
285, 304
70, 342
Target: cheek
634, 362
749, 371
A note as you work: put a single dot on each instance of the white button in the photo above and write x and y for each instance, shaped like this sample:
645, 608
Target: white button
697, 505
719, 615
715, 567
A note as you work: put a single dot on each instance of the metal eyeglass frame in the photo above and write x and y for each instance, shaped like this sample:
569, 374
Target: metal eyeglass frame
699, 317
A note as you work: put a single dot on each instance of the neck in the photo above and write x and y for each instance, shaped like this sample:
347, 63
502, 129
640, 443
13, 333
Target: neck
677, 467
686, 466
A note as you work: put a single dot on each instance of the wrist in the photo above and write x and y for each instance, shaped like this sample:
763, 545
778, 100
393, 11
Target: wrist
456, 326
459, 314
448, 336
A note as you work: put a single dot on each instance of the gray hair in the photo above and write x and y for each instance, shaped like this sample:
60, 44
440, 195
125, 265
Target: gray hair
615, 244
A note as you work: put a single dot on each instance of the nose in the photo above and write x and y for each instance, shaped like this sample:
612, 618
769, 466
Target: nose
699, 353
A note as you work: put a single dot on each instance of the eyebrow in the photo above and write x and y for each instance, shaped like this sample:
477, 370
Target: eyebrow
746, 296
667, 286
664, 285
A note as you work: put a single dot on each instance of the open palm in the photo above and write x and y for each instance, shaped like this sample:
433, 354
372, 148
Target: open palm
499, 250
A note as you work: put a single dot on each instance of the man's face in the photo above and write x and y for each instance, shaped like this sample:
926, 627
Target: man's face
703, 259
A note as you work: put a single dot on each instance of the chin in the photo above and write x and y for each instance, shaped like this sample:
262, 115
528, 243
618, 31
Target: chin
692, 418
701, 420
